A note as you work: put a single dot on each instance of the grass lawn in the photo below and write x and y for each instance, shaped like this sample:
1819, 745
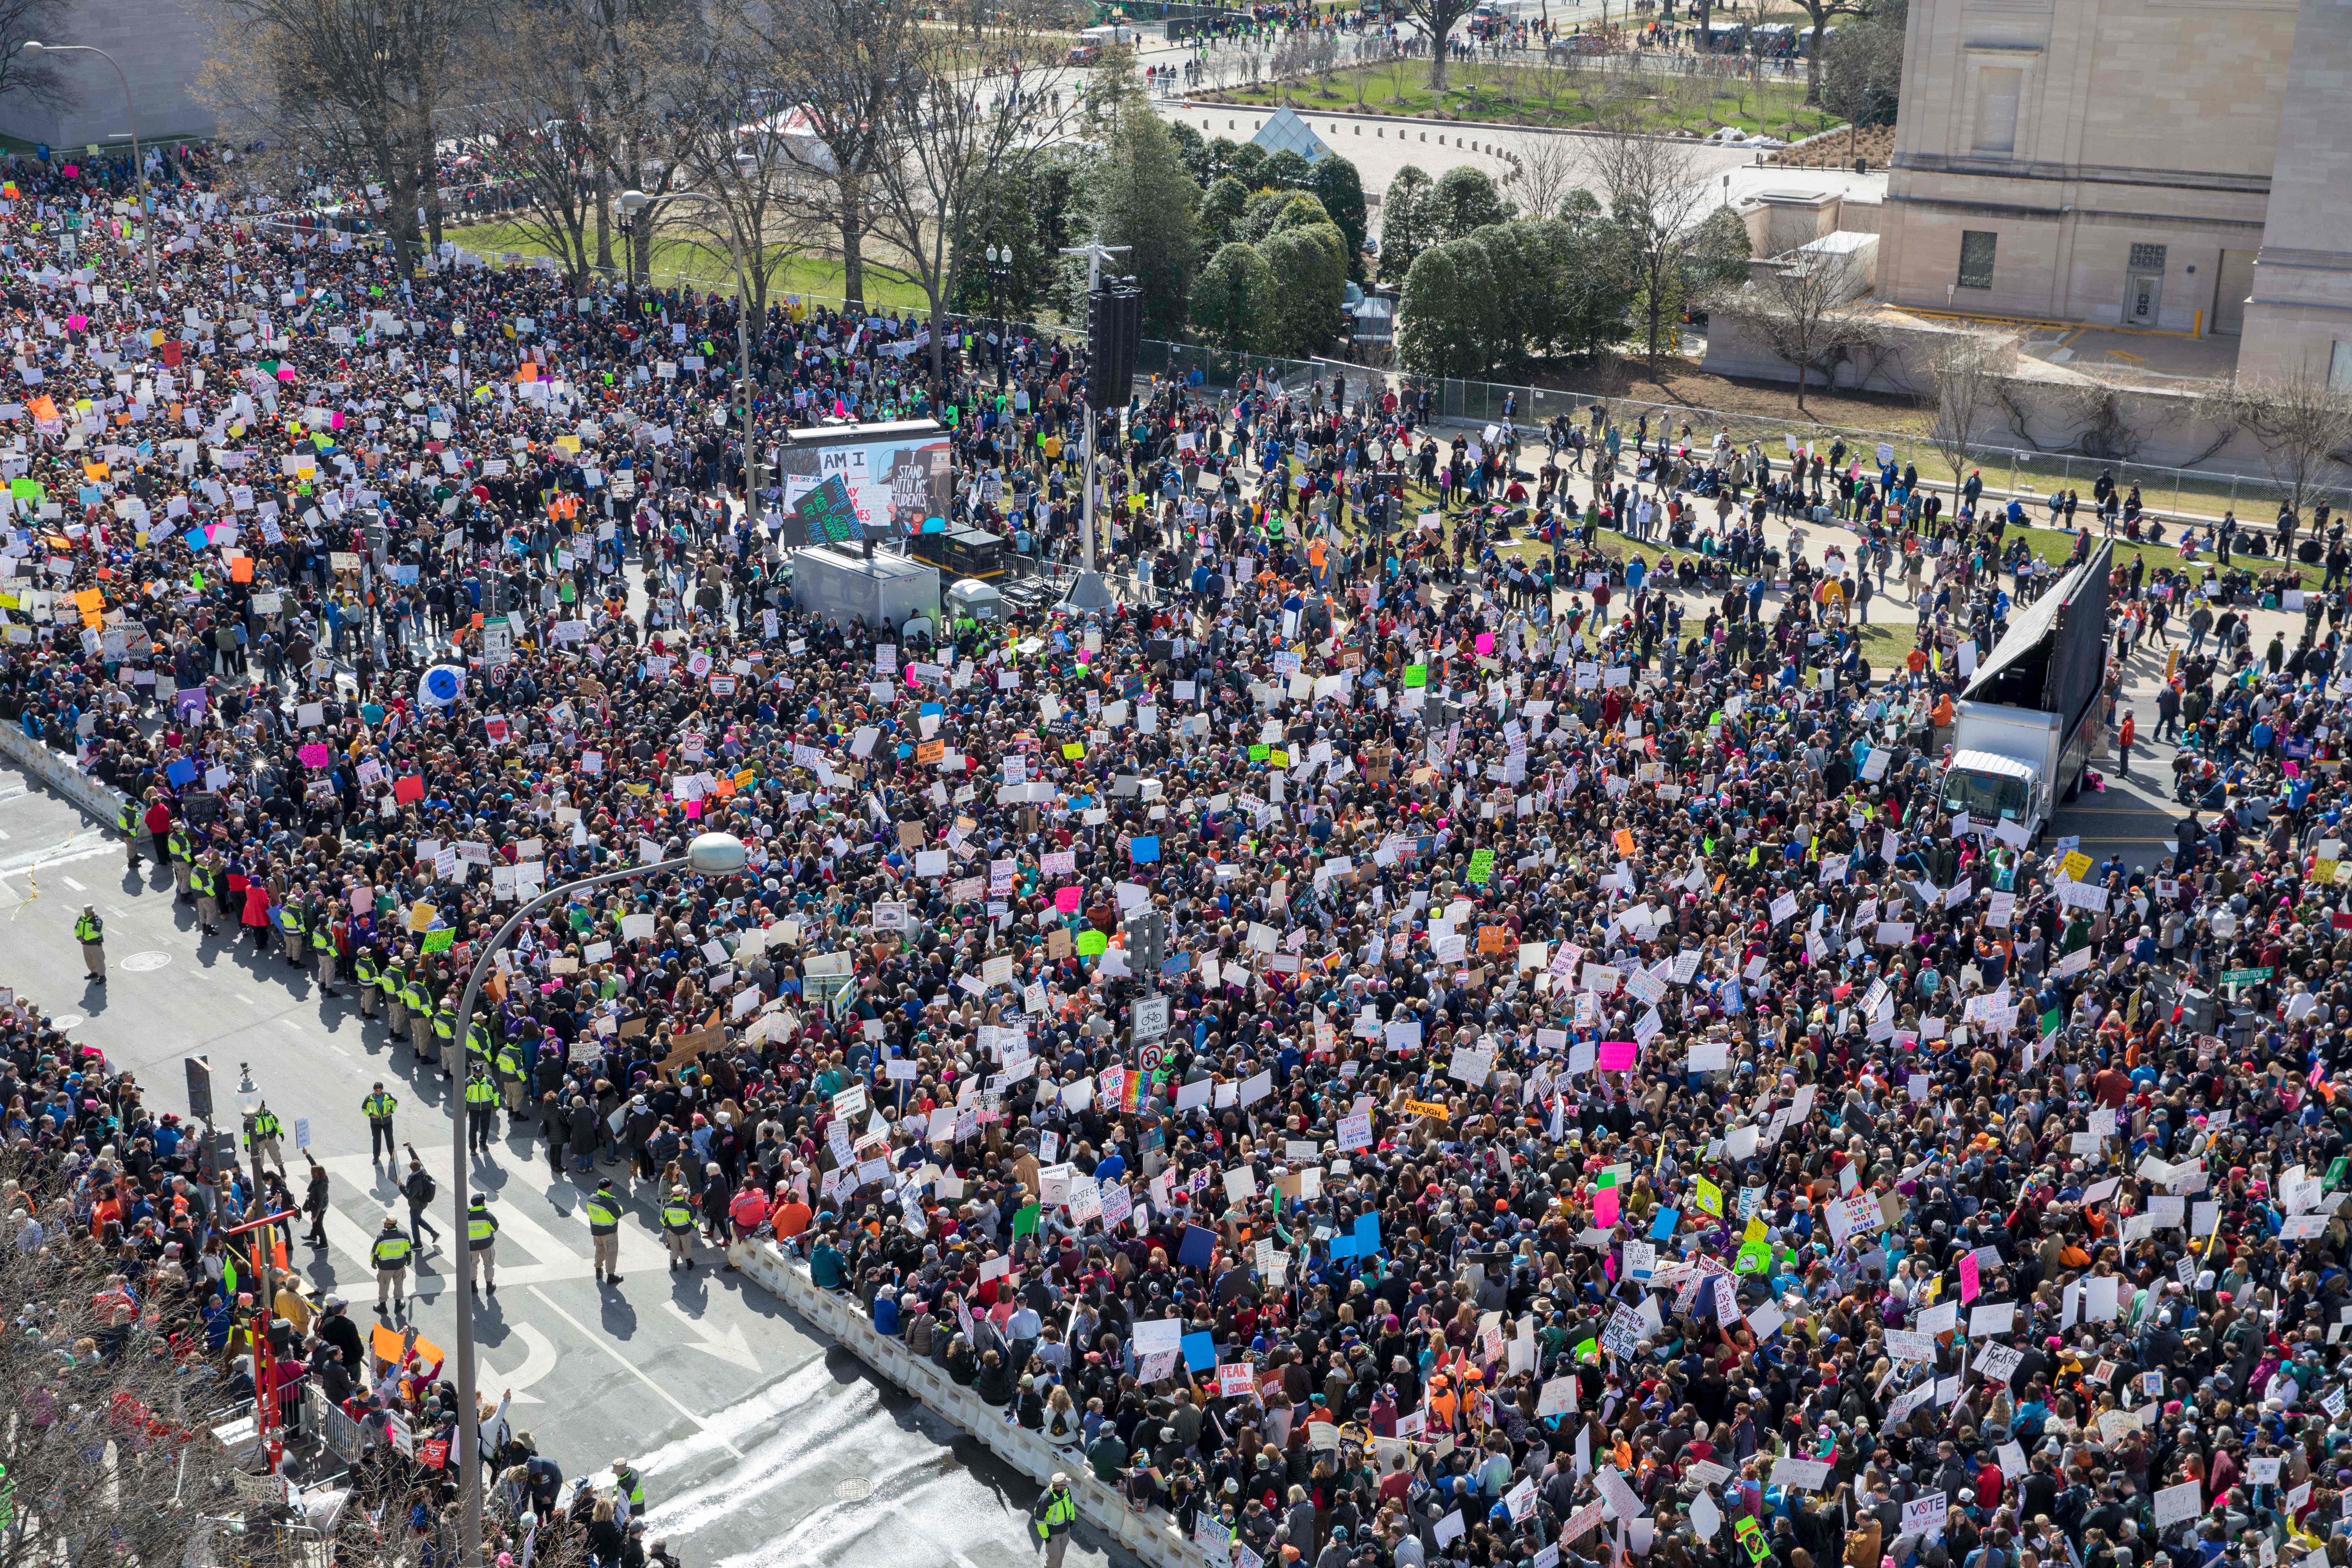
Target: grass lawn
1535, 95
683, 263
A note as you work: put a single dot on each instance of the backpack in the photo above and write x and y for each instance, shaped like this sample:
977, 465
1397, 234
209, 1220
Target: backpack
424, 1178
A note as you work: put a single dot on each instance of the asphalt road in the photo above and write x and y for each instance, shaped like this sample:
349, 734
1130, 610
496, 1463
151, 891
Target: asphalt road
761, 1443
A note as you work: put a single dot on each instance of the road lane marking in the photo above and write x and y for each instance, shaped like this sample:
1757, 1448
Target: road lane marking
601, 1342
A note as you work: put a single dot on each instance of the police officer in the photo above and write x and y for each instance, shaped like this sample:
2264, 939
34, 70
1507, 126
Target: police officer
267, 1135
677, 1226
420, 1017
322, 942
390, 1255
91, 931
378, 1108
292, 930
481, 1244
204, 878
393, 981
442, 1031
604, 1230
481, 1109
364, 975
512, 1077
1052, 1517
628, 1490
182, 847
126, 821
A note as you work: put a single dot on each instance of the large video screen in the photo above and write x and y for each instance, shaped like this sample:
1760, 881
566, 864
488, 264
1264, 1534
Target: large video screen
892, 485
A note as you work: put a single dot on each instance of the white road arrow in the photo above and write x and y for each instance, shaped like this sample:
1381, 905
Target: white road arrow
539, 1360
730, 1346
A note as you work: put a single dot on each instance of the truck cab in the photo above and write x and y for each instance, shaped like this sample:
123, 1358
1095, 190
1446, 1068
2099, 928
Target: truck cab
1993, 788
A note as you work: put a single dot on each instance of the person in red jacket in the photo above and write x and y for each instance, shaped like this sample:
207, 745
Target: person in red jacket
256, 914
749, 1210
159, 827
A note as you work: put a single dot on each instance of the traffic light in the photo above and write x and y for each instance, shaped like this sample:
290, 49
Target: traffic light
1114, 338
1147, 943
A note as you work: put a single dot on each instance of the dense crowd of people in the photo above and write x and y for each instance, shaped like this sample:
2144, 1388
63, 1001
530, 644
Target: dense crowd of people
1378, 1065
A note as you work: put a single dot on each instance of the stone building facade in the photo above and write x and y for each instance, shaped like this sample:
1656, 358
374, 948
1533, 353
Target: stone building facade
2166, 165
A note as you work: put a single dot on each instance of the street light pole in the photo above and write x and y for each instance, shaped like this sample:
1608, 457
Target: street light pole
33, 49
265, 1390
711, 853
633, 202
1000, 271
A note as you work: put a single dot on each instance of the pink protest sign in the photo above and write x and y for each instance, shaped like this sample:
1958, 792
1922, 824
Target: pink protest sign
1617, 1055
1604, 1208
1968, 1285
315, 755
1485, 644
1066, 899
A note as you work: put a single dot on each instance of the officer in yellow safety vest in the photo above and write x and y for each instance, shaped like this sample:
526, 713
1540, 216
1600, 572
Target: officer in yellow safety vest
292, 929
265, 1136
420, 1018
511, 1077
393, 981
126, 821
184, 860
365, 975
390, 1255
481, 1244
677, 1227
378, 1108
91, 931
481, 1109
204, 878
604, 1230
1052, 1517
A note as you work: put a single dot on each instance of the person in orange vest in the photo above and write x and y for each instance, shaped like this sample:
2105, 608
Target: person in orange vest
2125, 736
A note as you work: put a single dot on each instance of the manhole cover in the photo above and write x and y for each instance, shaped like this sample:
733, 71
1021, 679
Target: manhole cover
857, 1489
140, 962
64, 1020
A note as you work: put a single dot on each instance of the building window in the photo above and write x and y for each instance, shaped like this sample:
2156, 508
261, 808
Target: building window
2339, 367
1976, 257
2147, 257
1997, 91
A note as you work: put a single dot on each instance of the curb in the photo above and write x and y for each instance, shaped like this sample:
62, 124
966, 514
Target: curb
1151, 1537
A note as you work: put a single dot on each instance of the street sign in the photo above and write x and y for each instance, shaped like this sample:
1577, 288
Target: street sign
2244, 977
1149, 1018
200, 1088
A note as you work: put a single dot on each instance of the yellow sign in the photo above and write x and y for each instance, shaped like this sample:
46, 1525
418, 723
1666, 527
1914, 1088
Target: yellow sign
1711, 1197
2074, 865
1427, 1108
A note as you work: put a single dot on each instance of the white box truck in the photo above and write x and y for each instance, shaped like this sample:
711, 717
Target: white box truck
2024, 725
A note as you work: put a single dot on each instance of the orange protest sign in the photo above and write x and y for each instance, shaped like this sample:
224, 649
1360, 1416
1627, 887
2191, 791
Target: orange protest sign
1495, 939
90, 600
94, 471
1624, 841
43, 408
241, 569
930, 751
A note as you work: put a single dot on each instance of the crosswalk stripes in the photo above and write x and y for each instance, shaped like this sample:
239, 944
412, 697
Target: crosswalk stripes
360, 1184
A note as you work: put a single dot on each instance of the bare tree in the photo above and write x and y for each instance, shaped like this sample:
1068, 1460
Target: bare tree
1819, 13
1543, 172
954, 123
102, 1423
41, 81
360, 77
1658, 197
1966, 373
1863, 76
1804, 309
2303, 425
755, 186
836, 65
1437, 18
